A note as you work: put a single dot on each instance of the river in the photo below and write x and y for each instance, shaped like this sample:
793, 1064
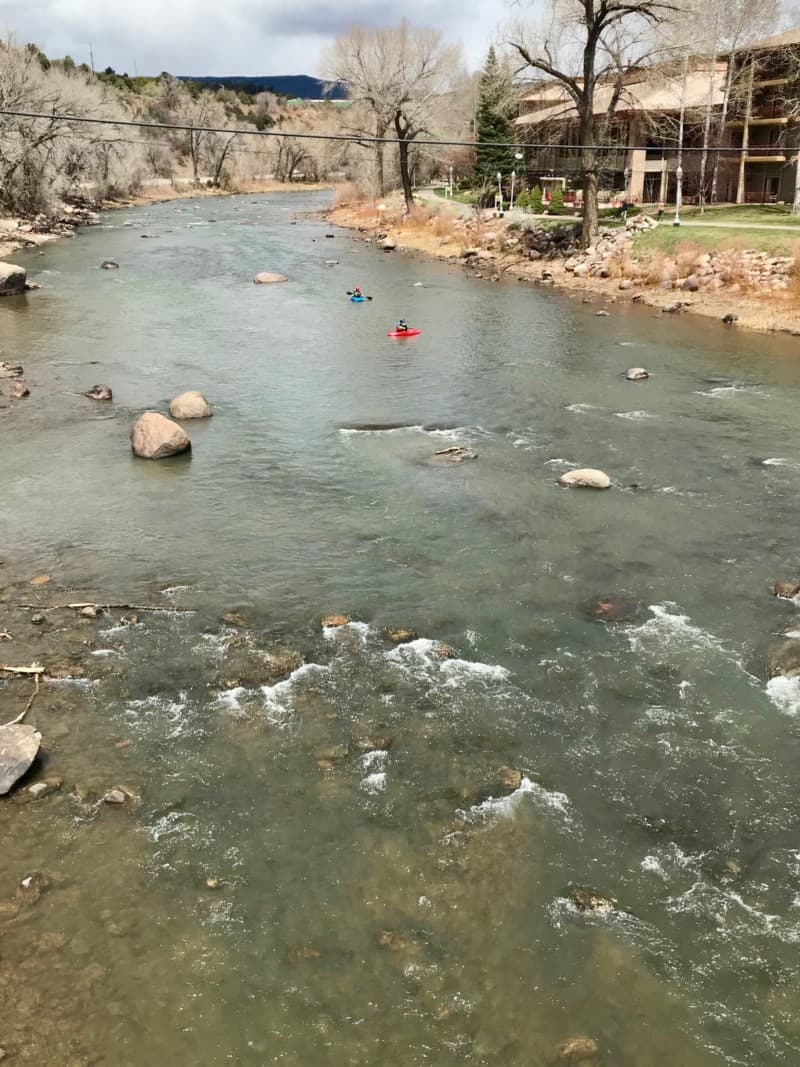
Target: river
327, 864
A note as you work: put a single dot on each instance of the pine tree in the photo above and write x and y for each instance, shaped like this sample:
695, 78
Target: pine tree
494, 122
522, 201
556, 200
536, 200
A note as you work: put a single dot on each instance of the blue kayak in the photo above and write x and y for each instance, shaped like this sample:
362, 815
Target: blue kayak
357, 299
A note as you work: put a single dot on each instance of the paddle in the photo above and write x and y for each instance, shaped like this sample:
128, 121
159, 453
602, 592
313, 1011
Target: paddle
364, 297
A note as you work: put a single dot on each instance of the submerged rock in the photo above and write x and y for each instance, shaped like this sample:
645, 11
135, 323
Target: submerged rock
99, 392
783, 658
284, 661
637, 374
585, 478
14, 388
12, 279
578, 1050
591, 901
455, 454
614, 608
19, 745
154, 437
786, 590
334, 621
191, 405
266, 277
399, 634
109, 264
236, 618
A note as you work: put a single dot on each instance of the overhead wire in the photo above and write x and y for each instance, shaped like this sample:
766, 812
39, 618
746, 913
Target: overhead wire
362, 139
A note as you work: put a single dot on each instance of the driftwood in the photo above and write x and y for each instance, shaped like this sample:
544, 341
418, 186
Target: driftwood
105, 607
35, 670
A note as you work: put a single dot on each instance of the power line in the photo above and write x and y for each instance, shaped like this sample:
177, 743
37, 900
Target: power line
354, 138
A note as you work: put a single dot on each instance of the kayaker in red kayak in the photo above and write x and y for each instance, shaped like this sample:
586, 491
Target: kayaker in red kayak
401, 326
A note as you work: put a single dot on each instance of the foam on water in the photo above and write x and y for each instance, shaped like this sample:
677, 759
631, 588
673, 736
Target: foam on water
720, 392
785, 694
581, 409
636, 416
669, 629
229, 698
495, 808
277, 698
361, 630
374, 783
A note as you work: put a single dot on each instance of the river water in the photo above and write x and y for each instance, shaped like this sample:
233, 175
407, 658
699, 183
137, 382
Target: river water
378, 893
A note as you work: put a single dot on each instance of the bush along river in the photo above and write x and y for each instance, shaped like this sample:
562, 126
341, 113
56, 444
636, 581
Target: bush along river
531, 799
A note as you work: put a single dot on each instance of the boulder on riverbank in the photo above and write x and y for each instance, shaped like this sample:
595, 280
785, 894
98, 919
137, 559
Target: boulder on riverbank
12, 279
154, 437
265, 277
19, 745
585, 478
191, 405
99, 392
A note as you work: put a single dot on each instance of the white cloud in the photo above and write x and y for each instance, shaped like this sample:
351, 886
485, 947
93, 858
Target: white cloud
228, 36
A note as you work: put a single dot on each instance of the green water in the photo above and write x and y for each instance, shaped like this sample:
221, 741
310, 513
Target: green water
378, 908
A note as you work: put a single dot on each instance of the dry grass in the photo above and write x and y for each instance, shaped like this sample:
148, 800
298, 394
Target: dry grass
348, 194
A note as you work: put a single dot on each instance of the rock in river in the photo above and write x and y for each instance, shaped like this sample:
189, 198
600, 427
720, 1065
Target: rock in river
154, 437
333, 621
12, 279
454, 454
614, 608
14, 388
191, 405
585, 478
265, 277
99, 392
19, 744
578, 1050
399, 634
637, 374
109, 264
786, 590
10, 370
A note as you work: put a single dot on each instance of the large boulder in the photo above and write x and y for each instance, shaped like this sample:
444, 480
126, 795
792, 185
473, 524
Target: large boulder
19, 744
265, 277
12, 279
191, 405
154, 437
585, 478
387, 245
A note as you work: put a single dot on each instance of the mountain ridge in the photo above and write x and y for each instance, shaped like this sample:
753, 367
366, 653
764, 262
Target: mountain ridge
297, 86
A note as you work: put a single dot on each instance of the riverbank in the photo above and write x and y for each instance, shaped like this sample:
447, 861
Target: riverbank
752, 289
26, 233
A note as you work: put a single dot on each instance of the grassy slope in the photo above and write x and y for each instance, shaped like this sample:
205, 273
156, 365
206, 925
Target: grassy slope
666, 238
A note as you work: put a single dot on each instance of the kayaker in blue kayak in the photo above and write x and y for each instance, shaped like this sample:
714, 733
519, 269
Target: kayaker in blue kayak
357, 292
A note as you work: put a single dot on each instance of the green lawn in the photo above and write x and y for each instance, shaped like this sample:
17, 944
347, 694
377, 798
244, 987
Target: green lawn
664, 238
760, 213
462, 198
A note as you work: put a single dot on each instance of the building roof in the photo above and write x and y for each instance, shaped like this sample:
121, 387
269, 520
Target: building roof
649, 92
780, 40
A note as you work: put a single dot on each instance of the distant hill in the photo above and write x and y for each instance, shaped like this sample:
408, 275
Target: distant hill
294, 86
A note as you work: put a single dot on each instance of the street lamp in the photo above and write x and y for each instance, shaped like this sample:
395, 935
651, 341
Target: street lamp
511, 200
500, 191
678, 193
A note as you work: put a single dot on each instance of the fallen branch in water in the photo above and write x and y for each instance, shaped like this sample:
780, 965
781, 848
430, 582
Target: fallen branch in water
29, 705
105, 607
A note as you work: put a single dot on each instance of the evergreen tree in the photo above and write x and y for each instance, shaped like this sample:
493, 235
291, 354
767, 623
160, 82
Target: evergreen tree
522, 201
494, 122
536, 200
556, 200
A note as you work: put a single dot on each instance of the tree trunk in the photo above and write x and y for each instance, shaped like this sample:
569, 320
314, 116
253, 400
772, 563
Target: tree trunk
402, 138
723, 119
706, 135
796, 203
591, 217
379, 180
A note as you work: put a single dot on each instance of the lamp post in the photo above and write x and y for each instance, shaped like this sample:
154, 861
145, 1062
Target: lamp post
511, 200
451, 183
500, 191
679, 169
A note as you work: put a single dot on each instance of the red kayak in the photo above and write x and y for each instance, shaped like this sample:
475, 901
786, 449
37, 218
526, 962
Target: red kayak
402, 333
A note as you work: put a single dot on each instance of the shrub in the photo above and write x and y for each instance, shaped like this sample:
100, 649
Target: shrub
535, 200
556, 201
522, 201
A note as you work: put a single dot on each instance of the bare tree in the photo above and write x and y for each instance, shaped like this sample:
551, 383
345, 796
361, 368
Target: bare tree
581, 45
400, 75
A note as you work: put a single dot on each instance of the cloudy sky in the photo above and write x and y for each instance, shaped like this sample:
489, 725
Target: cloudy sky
228, 36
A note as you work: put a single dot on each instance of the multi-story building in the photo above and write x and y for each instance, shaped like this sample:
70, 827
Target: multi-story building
749, 100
